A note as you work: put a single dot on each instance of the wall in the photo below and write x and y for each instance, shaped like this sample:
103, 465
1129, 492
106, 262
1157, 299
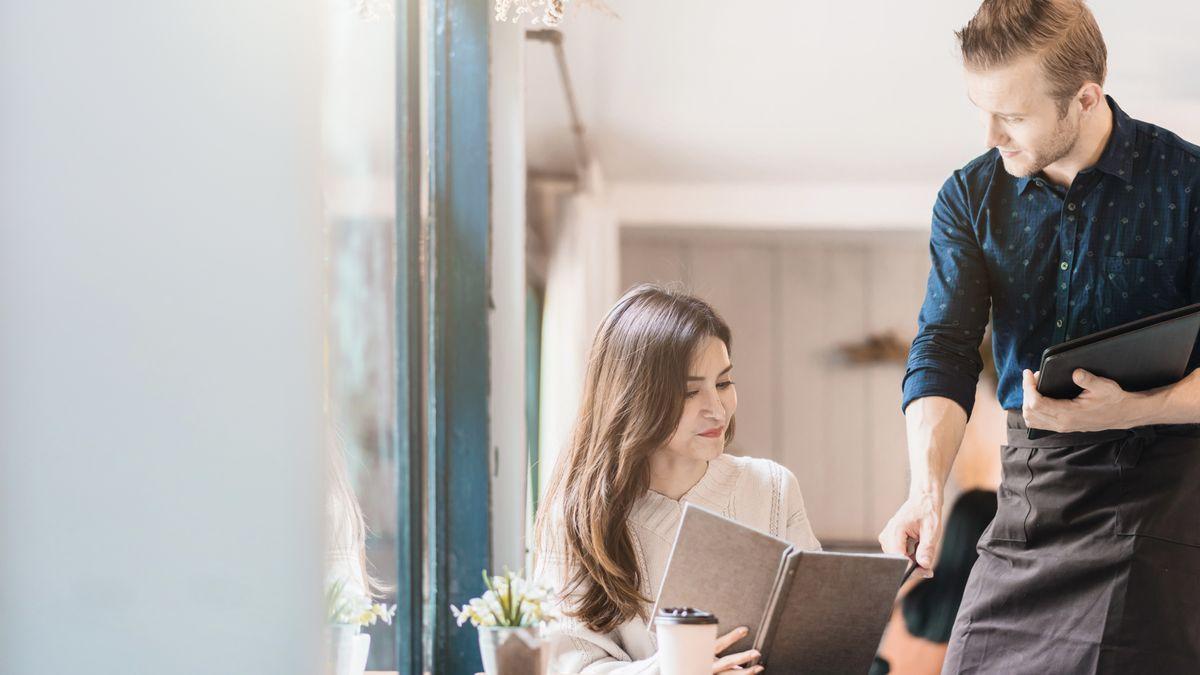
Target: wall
160, 338
506, 327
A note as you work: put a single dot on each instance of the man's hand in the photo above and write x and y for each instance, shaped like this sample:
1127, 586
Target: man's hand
918, 521
1102, 405
935, 427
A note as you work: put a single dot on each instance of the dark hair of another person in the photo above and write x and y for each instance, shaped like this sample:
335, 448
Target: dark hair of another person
930, 607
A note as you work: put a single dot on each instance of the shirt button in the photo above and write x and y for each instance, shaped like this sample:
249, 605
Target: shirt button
1071, 206
1058, 323
1064, 266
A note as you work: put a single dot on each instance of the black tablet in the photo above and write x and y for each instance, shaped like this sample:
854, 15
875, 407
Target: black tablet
1139, 355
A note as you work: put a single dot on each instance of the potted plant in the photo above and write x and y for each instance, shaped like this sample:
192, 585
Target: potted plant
509, 618
349, 608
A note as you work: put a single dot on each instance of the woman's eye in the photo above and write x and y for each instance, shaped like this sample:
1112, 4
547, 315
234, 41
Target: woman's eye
724, 385
691, 394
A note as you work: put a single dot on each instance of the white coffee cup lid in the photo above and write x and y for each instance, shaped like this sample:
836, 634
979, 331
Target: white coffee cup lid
685, 615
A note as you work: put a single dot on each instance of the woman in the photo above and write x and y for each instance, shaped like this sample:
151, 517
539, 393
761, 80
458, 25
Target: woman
656, 414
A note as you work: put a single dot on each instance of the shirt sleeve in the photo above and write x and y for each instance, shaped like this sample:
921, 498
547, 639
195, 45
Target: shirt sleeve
944, 359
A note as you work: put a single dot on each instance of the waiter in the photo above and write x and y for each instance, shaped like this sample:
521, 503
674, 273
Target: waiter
1077, 218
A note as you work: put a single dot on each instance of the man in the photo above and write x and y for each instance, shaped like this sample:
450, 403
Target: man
1078, 218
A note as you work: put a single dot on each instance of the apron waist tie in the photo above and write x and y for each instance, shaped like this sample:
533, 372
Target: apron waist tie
1134, 440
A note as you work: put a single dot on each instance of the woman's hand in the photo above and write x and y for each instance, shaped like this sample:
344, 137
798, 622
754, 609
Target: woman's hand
733, 663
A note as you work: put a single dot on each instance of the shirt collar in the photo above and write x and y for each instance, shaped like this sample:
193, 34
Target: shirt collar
1024, 181
1117, 158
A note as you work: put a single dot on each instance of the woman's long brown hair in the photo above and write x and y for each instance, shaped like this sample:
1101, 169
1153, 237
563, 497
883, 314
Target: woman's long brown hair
632, 401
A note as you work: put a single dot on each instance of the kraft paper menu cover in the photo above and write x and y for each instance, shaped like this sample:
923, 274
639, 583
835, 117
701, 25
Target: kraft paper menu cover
807, 611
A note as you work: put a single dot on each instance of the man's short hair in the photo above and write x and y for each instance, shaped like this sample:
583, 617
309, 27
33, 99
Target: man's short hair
1062, 34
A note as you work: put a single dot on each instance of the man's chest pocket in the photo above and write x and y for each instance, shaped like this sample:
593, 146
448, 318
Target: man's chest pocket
1132, 288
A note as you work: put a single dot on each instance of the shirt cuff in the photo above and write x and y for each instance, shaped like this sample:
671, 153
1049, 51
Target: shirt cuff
927, 381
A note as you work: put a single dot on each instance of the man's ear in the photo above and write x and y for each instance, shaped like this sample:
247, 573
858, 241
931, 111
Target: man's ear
1090, 97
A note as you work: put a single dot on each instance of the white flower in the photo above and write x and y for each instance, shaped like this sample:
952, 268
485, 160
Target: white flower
347, 603
510, 600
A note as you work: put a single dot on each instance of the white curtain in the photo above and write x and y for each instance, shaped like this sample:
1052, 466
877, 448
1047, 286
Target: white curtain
582, 283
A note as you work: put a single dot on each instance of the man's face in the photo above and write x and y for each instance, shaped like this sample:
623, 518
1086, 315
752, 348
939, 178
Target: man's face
1021, 118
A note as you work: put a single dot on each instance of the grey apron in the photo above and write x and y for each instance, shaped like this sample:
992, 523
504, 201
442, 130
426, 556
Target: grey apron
1092, 564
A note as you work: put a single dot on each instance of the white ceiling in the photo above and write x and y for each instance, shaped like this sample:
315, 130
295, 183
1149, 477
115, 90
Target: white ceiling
782, 91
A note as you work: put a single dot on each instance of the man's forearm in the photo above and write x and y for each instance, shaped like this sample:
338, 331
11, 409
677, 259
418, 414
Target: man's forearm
935, 431
1178, 403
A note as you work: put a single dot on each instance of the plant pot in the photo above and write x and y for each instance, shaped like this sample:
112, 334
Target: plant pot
513, 651
348, 649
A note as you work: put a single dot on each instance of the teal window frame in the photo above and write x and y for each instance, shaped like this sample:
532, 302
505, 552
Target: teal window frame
442, 284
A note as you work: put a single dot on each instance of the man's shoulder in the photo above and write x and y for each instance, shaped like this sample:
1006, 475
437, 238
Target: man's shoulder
1168, 145
984, 164
975, 176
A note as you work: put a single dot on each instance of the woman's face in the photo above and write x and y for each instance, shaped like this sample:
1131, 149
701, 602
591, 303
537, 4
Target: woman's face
709, 405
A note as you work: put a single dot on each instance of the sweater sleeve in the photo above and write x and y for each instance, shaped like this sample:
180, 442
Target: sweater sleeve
799, 529
576, 649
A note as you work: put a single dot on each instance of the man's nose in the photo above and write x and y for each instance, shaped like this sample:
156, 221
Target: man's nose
995, 135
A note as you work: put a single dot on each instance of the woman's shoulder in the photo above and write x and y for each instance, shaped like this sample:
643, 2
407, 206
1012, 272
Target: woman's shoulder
758, 472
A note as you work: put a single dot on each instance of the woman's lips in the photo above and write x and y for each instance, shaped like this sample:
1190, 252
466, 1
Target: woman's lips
713, 433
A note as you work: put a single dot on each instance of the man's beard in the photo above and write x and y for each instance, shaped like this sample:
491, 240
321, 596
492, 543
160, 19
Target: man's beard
1059, 145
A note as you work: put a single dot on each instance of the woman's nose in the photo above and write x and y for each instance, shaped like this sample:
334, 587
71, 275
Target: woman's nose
712, 407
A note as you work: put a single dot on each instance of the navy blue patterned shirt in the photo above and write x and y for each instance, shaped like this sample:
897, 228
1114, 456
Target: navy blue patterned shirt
1048, 264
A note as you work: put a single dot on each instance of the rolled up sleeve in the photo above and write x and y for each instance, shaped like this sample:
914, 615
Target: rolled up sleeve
944, 359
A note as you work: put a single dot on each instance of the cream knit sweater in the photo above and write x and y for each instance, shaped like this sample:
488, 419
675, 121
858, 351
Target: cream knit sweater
755, 492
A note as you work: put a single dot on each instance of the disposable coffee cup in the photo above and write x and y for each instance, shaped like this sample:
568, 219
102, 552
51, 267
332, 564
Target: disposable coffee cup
686, 640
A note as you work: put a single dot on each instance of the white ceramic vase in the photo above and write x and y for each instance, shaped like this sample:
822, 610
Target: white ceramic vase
348, 649
513, 651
